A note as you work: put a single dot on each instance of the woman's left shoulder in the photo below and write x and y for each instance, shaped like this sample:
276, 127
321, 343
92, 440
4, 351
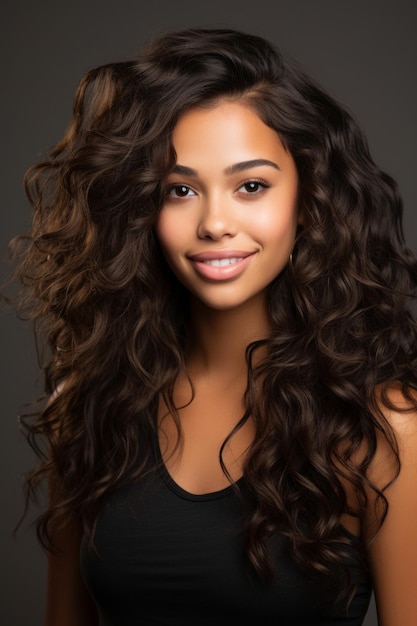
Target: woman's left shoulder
393, 550
398, 406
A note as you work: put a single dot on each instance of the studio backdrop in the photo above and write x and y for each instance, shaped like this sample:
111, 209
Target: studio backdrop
363, 52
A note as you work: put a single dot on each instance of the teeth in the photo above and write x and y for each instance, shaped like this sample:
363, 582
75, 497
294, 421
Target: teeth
223, 262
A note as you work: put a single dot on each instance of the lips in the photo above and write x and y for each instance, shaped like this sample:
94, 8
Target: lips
222, 264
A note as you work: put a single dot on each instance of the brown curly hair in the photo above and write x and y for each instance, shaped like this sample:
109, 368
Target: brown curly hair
115, 318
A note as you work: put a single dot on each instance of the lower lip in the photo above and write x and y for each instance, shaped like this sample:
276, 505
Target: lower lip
223, 272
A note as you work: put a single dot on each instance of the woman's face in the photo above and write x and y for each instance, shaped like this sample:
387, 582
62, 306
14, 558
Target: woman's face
228, 221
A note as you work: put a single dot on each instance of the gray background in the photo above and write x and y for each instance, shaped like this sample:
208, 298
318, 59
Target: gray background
364, 52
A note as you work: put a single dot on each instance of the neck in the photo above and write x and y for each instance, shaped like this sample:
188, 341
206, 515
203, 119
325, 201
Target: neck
218, 339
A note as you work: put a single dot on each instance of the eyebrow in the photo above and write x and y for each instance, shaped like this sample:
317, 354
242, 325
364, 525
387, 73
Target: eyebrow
246, 165
232, 169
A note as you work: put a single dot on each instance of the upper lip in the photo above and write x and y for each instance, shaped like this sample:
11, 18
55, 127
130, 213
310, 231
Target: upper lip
219, 254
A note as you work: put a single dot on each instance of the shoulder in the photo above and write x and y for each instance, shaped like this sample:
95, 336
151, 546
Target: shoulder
393, 549
394, 466
397, 424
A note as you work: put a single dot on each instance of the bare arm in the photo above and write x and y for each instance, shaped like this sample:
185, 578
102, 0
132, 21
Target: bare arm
68, 601
393, 552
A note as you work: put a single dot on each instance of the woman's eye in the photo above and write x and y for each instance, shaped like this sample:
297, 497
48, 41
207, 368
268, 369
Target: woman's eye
180, 191
253, 186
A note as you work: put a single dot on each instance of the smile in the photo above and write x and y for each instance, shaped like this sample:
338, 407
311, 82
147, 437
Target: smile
223, 268
222, 262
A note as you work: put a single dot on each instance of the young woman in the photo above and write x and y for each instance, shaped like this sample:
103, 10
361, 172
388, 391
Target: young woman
219, 269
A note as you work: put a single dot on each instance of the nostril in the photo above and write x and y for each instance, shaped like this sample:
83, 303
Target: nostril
215, 228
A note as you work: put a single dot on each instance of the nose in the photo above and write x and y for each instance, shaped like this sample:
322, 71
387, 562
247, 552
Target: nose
217, 219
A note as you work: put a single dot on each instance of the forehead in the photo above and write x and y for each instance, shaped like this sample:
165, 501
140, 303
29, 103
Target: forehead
227, 128
210, 140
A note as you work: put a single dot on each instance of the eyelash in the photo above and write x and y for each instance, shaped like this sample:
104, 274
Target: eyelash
253, 181
171, 188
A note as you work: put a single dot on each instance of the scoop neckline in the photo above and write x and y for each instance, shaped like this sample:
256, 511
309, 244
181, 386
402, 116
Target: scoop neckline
183, 493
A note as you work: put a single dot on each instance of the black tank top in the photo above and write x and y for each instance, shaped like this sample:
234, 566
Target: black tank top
167, 557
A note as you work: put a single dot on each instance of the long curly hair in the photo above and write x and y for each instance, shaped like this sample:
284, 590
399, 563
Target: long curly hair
114, 318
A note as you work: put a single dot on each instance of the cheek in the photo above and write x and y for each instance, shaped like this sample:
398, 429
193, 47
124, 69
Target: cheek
277, 228
166, 232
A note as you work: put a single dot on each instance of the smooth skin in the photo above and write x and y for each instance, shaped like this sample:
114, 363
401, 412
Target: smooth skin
393, 552
234, 195
234, 189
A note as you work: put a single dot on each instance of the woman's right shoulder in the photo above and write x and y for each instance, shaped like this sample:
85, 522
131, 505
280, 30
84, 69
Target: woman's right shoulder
68, 601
